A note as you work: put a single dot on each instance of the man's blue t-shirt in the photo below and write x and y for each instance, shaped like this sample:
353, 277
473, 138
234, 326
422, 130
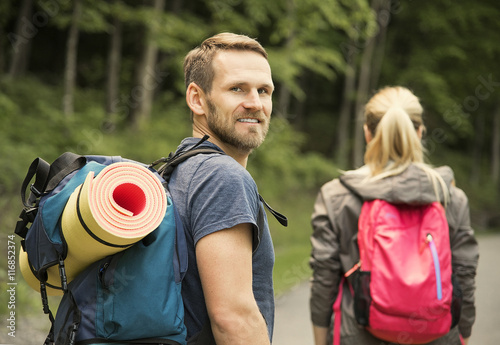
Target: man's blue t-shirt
213, 192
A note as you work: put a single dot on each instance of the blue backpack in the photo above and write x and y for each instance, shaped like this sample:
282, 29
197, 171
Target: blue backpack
133, 296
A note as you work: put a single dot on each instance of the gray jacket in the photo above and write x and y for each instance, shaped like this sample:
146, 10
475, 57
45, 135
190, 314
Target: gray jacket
335, 251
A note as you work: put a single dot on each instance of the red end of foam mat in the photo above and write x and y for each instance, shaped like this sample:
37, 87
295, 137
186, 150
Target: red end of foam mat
131, 197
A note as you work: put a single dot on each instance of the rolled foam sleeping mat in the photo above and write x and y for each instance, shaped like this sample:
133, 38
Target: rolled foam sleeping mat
103, 216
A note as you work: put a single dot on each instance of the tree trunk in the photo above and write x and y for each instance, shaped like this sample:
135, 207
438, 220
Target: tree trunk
365, 77
177, 6
113, 76
361, 98
2, 54
146, 81
477, 149
378, 56
21, 40
495, 146
71, 59
285, 94
342, 143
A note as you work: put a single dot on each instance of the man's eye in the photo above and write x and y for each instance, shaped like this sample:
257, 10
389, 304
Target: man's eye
261, 91
236, 89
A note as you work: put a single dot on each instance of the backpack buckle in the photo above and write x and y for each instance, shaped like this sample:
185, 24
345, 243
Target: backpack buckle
26, 217
35, 191
62, 274
45, 299
72, 335
30, 214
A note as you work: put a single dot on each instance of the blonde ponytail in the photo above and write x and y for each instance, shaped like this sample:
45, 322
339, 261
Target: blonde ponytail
394, 116
395, 144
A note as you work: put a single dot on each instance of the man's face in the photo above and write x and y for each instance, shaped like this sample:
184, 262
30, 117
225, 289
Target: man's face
240, 104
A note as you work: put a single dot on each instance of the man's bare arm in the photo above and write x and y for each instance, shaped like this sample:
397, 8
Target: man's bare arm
225, 264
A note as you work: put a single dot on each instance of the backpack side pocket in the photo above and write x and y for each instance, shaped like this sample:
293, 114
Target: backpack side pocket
362, 298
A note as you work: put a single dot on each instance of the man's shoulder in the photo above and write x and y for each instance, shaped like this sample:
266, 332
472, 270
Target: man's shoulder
212, 174
214, 160
222, 169
213, 163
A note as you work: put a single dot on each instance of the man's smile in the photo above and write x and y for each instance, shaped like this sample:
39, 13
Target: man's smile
249, 120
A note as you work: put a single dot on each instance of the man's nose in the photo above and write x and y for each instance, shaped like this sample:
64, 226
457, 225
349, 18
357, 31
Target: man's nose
253, 101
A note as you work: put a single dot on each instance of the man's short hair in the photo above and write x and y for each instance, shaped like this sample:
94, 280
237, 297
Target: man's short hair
198, 62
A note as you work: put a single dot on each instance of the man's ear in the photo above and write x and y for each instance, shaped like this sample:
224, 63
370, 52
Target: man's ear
195, 99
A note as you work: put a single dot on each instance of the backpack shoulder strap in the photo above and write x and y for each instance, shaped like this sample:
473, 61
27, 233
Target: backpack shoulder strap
174, 160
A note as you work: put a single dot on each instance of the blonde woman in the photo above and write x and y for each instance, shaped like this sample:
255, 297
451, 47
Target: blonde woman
394, 171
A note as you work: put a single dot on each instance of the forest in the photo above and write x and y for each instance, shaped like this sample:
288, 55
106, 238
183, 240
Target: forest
105, 77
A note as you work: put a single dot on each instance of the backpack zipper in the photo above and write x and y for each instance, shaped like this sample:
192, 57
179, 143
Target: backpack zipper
437, 267
102, 271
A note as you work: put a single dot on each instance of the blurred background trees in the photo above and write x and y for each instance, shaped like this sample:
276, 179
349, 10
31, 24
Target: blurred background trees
105, 77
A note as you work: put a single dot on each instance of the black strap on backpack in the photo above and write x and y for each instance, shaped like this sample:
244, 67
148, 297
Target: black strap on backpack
47, 177
40, 170
173, 160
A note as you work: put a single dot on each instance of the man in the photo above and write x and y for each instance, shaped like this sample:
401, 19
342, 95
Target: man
228, 285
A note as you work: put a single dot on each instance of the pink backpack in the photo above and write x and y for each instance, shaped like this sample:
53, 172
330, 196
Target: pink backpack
403, 287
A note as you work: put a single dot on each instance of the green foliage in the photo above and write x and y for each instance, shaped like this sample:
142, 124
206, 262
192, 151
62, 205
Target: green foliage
184, 31
281, 169
169, 124
93, 18
308, 38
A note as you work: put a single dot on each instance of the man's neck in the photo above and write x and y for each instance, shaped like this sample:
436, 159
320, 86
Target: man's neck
237, 155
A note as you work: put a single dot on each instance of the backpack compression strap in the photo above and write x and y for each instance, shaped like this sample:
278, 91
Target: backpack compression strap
40, 170
47, 177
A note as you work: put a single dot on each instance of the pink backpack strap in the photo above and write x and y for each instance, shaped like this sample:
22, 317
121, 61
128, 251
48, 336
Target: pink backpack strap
337, 310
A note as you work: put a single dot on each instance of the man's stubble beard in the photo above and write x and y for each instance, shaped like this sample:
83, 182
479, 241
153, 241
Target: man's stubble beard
226, 132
